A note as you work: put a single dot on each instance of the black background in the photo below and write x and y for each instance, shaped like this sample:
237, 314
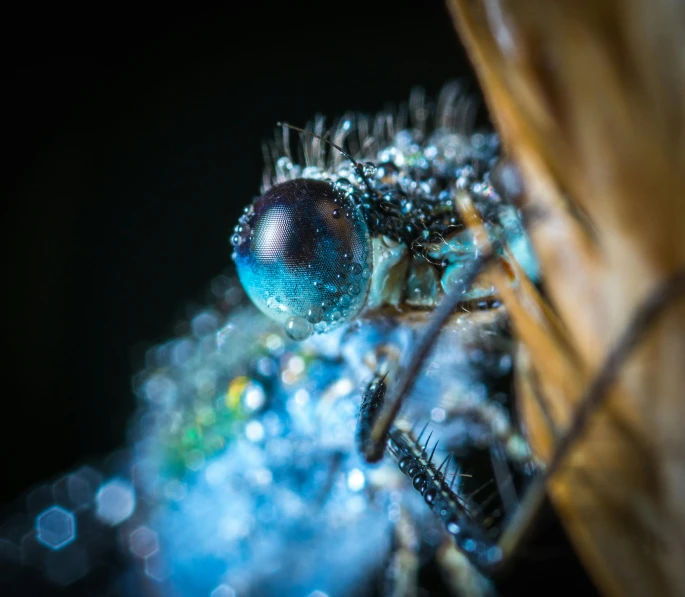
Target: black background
134, 143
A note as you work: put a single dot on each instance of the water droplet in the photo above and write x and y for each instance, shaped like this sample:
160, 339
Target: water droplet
344, 186
469, 545
355, 268
404, 463
413, 469
369, 169
345, 300
298, 328
353, 289
315, 315
337, 213
419, 482
284, 163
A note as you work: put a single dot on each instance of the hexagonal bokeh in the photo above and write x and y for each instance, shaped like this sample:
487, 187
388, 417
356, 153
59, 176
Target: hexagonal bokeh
115, 501
156, 567
55, 527
143, 542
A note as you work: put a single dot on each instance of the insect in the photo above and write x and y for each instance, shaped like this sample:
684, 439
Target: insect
333, 239
208, 507
244, 475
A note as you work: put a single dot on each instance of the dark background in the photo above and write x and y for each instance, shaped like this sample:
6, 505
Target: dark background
134, 142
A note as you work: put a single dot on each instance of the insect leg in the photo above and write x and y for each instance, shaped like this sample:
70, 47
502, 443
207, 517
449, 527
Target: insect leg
381, 428
438, 492
503, 479
500, 431
373, 399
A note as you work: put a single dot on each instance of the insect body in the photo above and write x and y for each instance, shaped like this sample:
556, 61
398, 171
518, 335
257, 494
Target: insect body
245, 477
378, 234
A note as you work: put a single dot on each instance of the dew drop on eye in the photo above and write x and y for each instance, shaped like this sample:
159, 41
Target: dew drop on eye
369, 169
344, 186
298, 328
315, 315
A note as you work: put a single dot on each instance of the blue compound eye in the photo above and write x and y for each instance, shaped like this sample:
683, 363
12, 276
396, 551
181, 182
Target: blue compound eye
303, 254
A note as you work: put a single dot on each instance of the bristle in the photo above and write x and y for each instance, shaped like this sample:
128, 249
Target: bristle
365, 137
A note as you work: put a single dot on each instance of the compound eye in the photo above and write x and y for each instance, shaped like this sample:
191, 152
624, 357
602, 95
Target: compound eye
303, 254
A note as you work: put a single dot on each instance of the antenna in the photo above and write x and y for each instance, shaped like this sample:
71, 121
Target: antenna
357, 166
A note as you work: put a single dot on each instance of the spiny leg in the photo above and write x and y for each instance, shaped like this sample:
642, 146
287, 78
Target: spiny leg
436, 486
415, 458
496, 421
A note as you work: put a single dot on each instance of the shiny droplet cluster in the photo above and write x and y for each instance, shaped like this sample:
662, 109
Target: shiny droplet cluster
410, 166
415, 159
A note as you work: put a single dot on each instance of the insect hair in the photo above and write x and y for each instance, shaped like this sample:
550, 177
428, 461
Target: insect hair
357, 166
364, 135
